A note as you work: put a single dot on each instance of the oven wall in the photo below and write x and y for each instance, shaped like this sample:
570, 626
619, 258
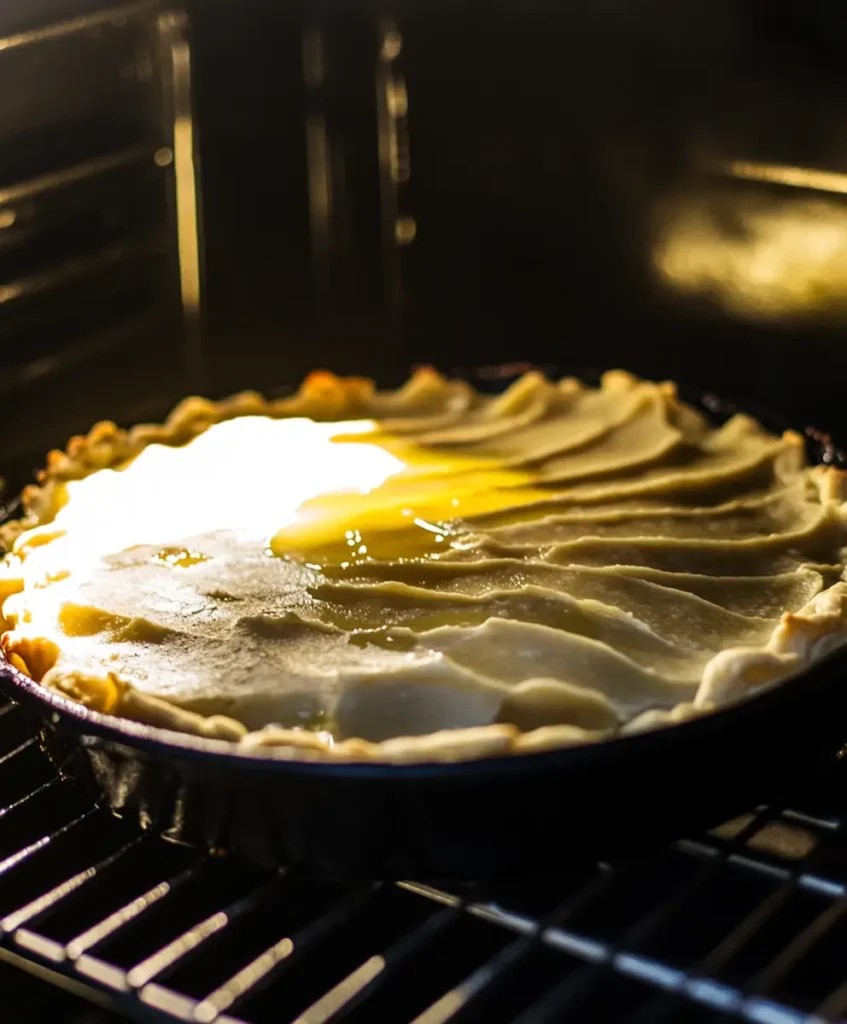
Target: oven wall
569, 173
574, 180
91, 322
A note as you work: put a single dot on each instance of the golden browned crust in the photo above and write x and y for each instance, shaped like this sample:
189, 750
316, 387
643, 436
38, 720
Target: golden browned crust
322, 396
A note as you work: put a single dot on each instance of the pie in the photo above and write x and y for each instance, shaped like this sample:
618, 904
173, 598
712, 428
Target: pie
430, 573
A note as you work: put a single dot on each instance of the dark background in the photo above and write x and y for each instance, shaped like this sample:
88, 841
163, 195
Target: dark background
545, 140
542, 137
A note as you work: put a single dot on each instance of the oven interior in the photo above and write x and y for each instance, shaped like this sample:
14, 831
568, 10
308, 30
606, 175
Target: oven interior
114, 922
210, 198
222, 195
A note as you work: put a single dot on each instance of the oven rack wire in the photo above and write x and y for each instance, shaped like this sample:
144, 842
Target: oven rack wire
745, 923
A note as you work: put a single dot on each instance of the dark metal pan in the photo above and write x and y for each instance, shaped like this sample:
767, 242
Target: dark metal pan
480, 819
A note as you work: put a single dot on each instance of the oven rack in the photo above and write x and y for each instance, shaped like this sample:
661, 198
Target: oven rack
746, 923
99, 214
71, 168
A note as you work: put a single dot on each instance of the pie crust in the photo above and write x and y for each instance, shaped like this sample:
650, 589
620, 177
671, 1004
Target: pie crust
655, 474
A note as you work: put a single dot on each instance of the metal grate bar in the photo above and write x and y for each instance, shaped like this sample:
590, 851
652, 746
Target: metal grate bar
495, 972
74, 270
345, 994
354, 990
135, 326
180, 947
828, 824
758, 919
26, 745
246, 980
78, 946
833, 1007
33, 910
637, 934
700, 985
494, 914
39, 844
55, 977
782, 174
551, 1005
190, 940
22, 801
84, 23
78, 173
801, 944
644, 928
620, 955
585, 963
808, 880
264, 967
